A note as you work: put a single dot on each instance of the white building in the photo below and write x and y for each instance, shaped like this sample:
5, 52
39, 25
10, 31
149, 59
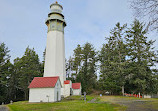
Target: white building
45, 89
76, 88
67, 88
54, 62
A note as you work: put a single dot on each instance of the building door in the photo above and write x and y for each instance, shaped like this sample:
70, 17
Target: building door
57, 96
71, 91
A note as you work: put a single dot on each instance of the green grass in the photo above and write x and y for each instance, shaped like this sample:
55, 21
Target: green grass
65, 105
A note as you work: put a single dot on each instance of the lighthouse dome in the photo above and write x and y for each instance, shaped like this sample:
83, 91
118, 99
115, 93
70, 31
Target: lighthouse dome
55, 7
56, 14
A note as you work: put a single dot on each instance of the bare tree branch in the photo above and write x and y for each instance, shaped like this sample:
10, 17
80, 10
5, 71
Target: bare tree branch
147, 9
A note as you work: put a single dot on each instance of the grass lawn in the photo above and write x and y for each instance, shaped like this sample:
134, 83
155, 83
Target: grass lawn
65, 105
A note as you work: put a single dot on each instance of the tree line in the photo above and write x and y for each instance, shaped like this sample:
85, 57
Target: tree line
15, 78
125, 63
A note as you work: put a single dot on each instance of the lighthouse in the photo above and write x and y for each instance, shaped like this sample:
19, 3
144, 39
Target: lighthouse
53, 84
55, 48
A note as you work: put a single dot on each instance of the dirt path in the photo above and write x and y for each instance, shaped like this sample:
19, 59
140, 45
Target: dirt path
132, 104
136, 105
92, 101
3, 108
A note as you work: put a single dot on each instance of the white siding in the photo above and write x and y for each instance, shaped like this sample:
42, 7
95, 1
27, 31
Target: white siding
67, 89
55, 56
77, 91
41, 94
147, 96
57, 91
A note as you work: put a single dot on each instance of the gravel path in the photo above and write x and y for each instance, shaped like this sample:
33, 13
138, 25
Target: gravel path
3, 108
92, 101
134, 105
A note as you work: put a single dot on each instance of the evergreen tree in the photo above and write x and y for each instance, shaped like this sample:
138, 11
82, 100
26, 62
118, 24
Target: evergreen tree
142, 57
73, 64
108, 76
6, 69
69, 70
10, 82
112, 58
87, 75
82, 67
77, 61
42, 63
27, 68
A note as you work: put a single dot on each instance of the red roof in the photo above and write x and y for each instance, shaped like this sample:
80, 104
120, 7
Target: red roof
43, 82
76, 85
67, 82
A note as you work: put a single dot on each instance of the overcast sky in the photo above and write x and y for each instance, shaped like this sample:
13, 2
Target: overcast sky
22, 23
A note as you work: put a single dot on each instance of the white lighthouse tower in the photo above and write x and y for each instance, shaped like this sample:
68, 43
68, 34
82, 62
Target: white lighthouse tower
54, 84
55, 49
